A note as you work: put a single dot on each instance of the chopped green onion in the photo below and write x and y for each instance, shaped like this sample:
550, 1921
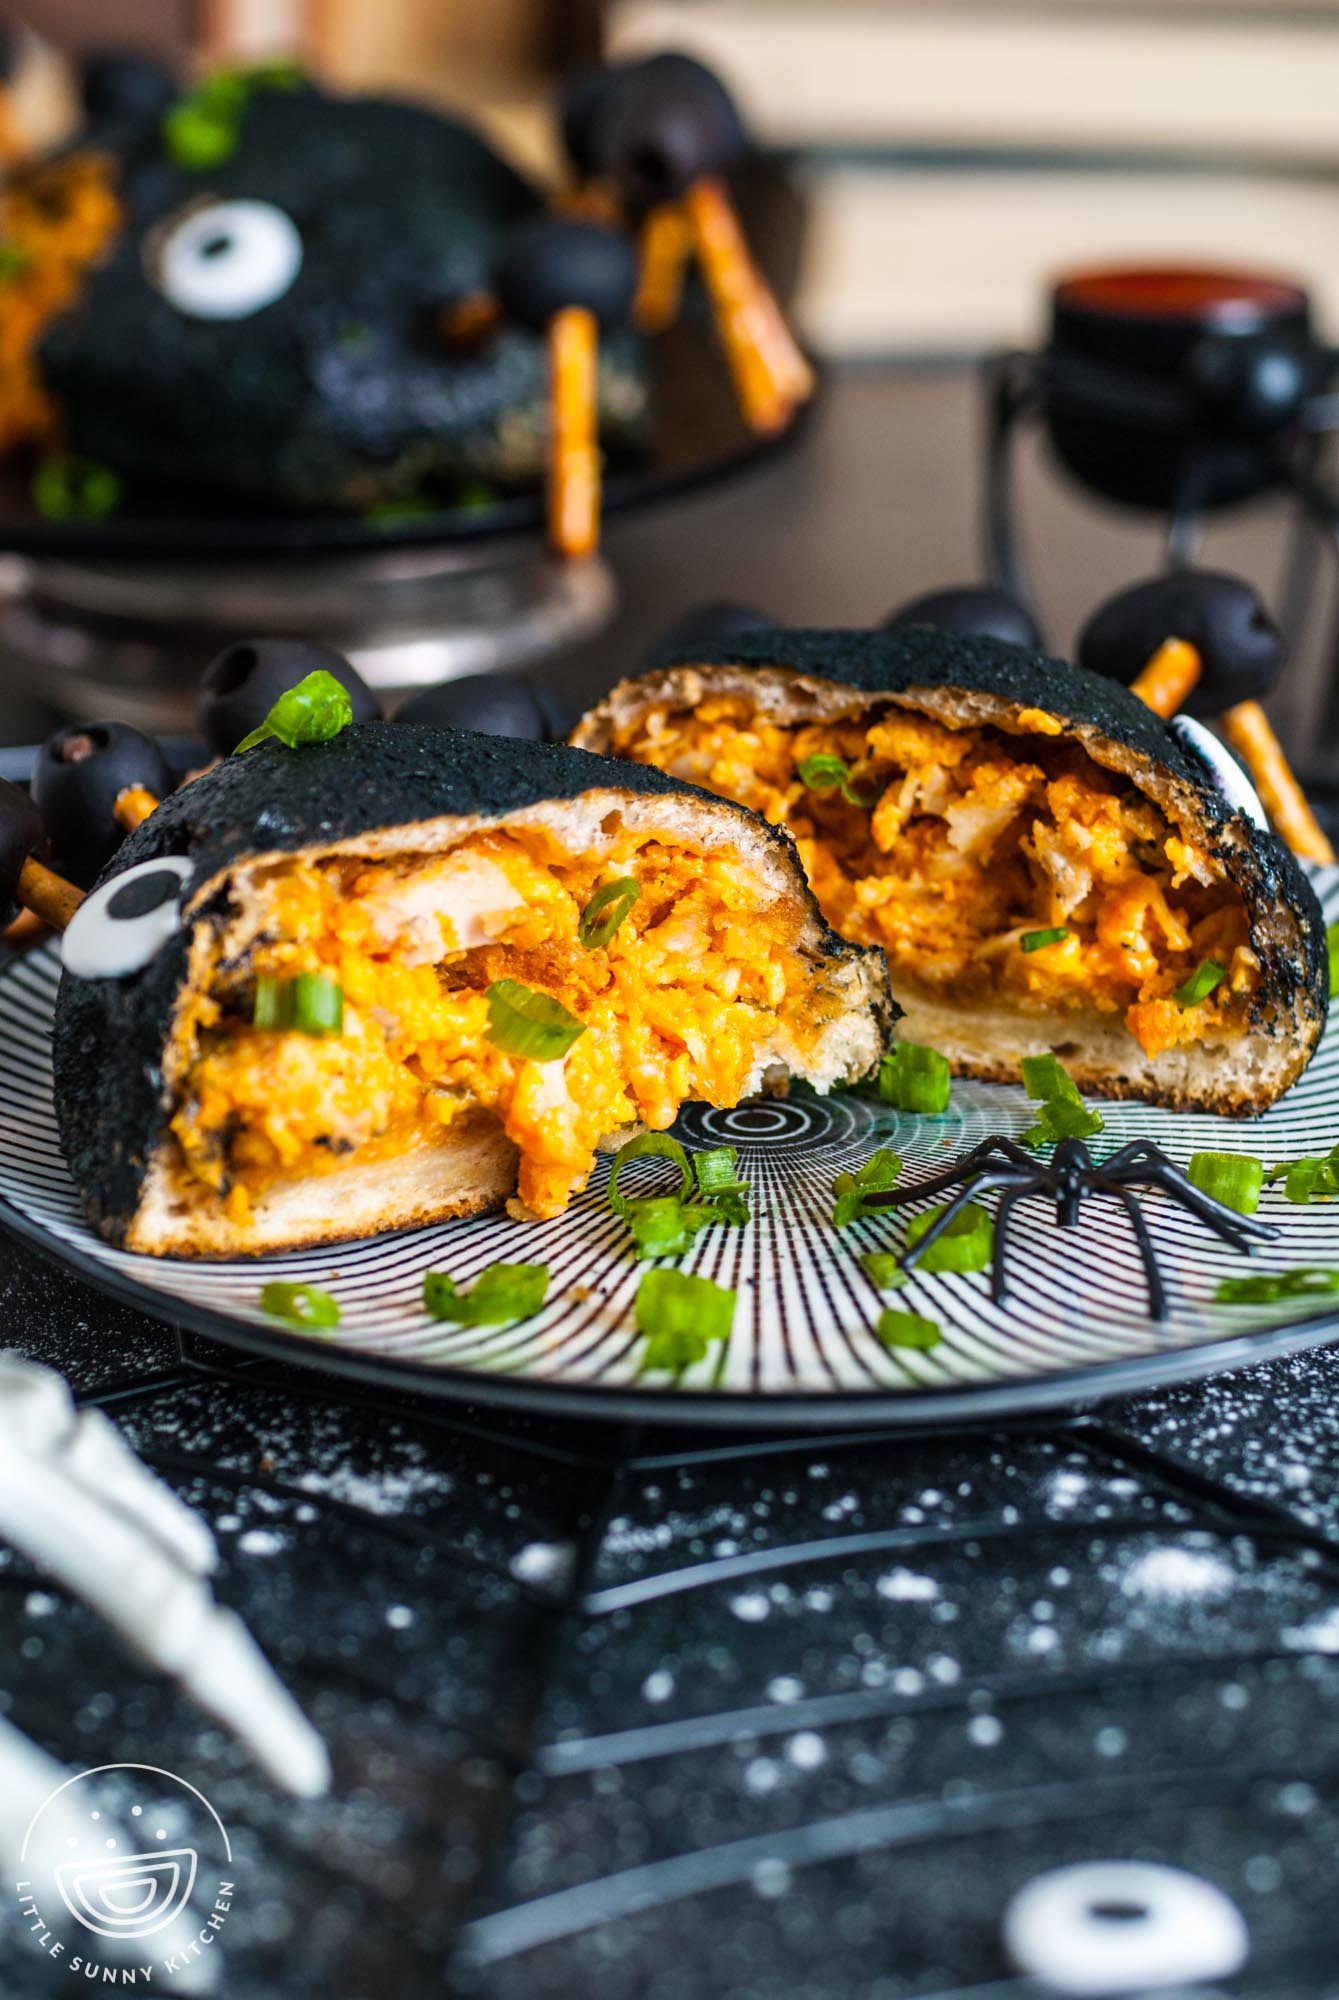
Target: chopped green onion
1063, 1114
202, 128
1267, 1288
1200, 984
605, 912
964, 1245
1332, 949
649, 1146
1038, 940
1314, 1179
825, 773
15, 259
1235, 1179
876, 1176
522, 1022
311, 1003
904, 1329
304, 1305
68, 488
914, 1078
500, 1292
884, 1270
681, 1316
314, 711
664, 1225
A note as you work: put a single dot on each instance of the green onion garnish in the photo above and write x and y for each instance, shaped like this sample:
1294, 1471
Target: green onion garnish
312, 712
14, 261
1063, 1114
304, 1305
884, 1270
1332, 948
876, 1176
914, 1078
500, 1292
1266, 1288
904, 1329
1038, 940
664, 1225
201, 129
605, 912
681, 1316
825, 773
522, 1022
1235, 1179
68, 488
1200, 984
964, 1245
311, 1003
1314, 1179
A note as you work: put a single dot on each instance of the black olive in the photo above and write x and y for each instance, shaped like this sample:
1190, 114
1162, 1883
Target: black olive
1241, 649
670, 122
21, 834
492, 704
121, 84
976, 610
80, 773
708, 625
241, 686
550, 261
1248, 384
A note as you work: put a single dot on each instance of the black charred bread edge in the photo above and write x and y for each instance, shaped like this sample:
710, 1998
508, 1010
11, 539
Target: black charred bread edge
873, 663
109, 1034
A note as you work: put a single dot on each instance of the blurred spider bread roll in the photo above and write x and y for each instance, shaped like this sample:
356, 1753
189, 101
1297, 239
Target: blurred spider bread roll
418, 971
1044, 863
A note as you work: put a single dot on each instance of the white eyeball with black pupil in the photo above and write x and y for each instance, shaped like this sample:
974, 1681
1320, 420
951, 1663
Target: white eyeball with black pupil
1228, 777
1109, 1927
125, 923
228, 260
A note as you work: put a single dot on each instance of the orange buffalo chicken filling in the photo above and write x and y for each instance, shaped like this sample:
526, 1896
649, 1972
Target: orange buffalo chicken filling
676, 1006
965, 841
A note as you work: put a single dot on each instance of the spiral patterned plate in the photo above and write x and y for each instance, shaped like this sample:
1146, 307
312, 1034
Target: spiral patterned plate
1074, 1327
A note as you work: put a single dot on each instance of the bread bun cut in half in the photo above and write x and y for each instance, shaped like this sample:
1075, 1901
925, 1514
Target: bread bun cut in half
438, 880
1043, 862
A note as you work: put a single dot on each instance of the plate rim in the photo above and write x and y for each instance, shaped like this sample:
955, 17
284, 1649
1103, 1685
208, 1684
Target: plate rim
951, 1407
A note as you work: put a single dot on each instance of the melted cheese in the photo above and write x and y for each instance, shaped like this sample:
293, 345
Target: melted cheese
677, 1006
970, 839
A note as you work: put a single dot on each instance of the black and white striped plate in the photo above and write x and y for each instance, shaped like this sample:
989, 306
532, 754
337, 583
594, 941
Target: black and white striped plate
1074, 1328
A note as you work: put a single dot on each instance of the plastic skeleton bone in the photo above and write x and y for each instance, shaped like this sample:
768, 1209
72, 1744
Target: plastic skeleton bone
74, 1498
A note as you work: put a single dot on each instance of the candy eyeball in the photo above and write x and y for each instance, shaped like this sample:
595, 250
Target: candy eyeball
227, 259
1229, 780
125, 923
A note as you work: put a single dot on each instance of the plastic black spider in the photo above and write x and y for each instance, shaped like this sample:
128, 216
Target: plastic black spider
1069, 1175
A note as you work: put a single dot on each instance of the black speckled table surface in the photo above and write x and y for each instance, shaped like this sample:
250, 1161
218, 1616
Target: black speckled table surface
641, 1713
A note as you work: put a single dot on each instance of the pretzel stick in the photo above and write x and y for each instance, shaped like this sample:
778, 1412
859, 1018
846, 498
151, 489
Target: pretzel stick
1168, 678
26, 928
48, 896
667, 242
1248, 730
770, 374
574, 466
133, 807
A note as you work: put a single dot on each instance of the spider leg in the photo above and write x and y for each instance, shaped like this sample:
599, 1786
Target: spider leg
999, 1287
1233, 1227
1157, 1295
972, 1164
986, 1183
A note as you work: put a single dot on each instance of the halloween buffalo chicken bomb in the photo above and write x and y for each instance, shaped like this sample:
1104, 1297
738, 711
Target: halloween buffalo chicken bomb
1045, 865
448, 970
255, 291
